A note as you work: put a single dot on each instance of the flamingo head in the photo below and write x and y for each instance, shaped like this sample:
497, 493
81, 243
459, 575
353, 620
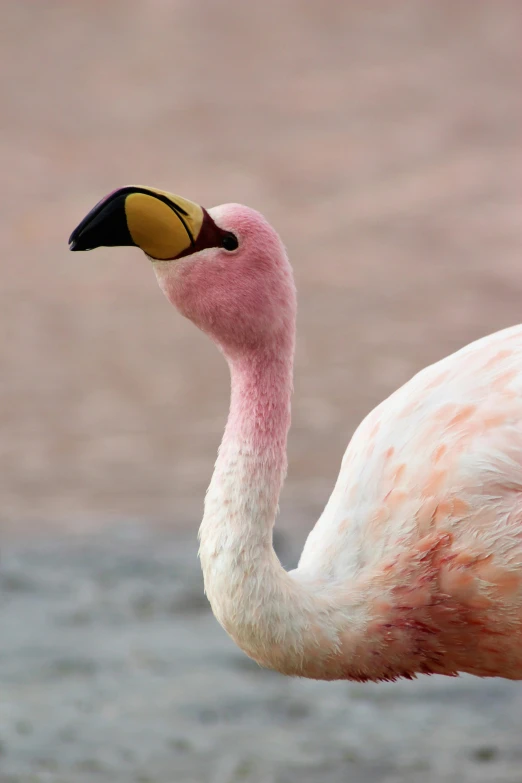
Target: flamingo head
225, 269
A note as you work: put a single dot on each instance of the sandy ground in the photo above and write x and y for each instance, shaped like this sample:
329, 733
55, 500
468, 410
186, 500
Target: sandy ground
382, 139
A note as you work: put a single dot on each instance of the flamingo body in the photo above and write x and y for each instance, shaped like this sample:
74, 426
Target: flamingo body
415, 566
428, 505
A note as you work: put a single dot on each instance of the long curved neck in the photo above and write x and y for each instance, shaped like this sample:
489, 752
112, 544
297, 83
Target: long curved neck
297, 623
271, 615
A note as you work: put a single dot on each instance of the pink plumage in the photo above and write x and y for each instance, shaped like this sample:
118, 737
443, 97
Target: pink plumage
415, 565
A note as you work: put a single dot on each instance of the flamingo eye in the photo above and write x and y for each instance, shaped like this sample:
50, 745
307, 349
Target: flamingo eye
229, 242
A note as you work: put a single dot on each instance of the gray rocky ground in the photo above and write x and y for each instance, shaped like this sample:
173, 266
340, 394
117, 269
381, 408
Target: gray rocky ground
113, 670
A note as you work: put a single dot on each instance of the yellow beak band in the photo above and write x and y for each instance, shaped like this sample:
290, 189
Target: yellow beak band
162, 224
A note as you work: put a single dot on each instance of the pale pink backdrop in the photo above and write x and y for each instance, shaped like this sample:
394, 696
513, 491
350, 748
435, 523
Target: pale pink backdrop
381, 139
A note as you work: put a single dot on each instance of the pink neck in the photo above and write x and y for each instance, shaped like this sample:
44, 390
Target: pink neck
285, 621
258, 424
244, 581
260, 399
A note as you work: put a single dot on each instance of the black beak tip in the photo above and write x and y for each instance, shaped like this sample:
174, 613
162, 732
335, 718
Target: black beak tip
75, 246
105, 225
73, 239
78, 246
77, 241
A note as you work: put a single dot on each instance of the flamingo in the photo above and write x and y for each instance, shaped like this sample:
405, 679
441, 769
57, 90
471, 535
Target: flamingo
414, 566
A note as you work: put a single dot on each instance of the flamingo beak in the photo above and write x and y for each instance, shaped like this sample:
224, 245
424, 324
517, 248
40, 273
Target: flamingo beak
163, 225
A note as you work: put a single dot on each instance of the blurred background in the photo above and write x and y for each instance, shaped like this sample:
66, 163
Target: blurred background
382, 140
